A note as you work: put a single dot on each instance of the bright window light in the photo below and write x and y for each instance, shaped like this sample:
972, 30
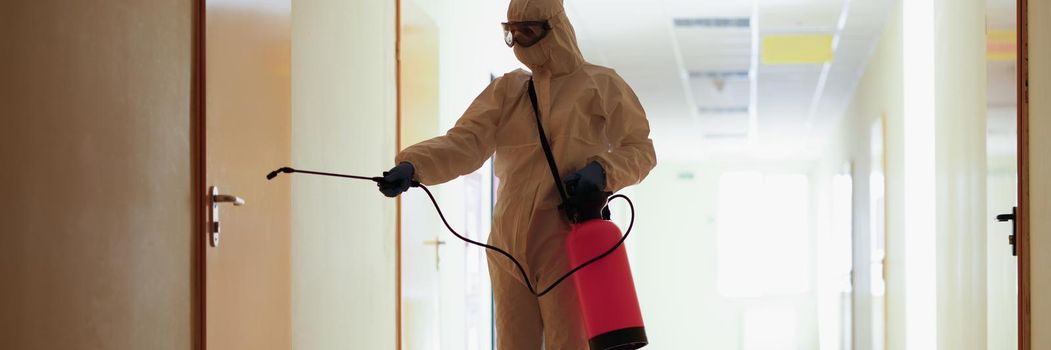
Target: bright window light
843, 225
769, 328
835, 261
763, 234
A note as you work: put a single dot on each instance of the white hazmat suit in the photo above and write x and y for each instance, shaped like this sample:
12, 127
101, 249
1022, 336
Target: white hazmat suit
590, 114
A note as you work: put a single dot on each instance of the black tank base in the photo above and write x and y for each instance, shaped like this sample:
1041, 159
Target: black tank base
621, 339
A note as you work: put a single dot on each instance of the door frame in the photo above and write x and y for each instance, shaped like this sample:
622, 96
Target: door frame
198, 168
1022, 216
397, 202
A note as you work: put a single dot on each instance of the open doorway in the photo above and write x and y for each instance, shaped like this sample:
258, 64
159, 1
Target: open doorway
1002, 174
779, 210
444, 291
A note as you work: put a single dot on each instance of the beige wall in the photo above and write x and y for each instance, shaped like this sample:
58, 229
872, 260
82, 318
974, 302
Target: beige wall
1040, 170
95, 251
343, 120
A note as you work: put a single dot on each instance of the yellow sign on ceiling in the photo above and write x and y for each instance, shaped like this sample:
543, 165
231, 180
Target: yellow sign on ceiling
797, 49
1001, 46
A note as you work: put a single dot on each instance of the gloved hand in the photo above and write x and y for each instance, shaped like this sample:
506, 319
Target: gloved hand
397, 180
592, 178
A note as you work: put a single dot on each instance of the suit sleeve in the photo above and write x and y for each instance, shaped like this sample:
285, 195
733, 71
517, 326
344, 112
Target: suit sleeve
631, 155
465, 147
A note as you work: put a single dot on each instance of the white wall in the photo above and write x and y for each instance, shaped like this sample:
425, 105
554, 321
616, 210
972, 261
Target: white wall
960, 152
673, 252
879, 94
1040, 170
960, 169
343, 120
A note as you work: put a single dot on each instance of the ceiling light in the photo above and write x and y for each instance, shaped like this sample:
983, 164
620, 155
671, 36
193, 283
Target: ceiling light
714, 22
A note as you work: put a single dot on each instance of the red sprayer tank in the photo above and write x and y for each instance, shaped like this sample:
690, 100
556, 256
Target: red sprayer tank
606, 290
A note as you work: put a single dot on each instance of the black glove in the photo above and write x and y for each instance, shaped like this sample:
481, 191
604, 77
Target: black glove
397, 180
587, 199
590, 179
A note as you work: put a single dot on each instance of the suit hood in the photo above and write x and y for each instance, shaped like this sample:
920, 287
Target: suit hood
556, 54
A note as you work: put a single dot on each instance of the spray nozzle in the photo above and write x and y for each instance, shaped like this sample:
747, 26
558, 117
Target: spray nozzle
274, 173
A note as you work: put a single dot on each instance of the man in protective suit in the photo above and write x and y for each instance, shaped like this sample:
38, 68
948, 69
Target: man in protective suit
598, 132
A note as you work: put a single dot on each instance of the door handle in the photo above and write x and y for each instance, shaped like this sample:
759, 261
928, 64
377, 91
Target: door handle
1012, 217
216, 198
438, 243
226, 198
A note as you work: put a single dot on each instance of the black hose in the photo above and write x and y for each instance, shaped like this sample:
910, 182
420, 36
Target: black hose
521, 270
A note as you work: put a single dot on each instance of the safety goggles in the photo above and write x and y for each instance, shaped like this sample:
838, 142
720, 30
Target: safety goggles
526, 33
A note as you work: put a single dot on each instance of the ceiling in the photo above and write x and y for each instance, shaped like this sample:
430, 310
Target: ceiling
694, 64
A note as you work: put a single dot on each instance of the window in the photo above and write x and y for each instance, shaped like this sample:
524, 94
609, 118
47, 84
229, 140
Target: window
763, 234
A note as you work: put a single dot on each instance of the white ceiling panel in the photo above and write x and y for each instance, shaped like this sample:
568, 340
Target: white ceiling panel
788, 19
714, 49
704, 8
715, 94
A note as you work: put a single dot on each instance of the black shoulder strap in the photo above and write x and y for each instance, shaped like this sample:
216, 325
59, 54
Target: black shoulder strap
545, 144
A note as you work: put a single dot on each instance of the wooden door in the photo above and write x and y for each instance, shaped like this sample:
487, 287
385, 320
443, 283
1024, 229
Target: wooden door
247, 128
96, 204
